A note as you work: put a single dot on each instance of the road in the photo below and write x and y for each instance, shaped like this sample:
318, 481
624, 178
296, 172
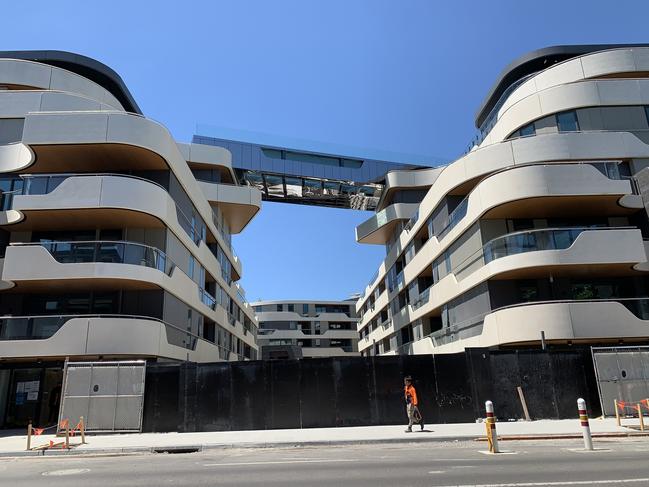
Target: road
529, 464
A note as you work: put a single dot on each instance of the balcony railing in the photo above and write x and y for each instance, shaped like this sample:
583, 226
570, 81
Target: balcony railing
105, 251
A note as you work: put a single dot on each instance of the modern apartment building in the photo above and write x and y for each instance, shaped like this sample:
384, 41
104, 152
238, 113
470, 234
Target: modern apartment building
115, 240
304, 329
539, 230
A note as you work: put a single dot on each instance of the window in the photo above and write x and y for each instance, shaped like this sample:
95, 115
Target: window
291, 307
646, 112
272, 153
528, 130
190, 269
567, 121
305, 309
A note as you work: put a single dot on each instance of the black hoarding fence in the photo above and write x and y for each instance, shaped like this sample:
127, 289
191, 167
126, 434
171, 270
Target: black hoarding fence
364, 391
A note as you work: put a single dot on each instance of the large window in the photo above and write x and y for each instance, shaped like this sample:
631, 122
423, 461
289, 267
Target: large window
567, 121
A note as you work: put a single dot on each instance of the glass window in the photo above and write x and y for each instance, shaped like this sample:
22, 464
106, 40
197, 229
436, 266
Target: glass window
312, 158
291, 307
567, 121
305, 308
272, 153
351, 163
646, 112
190, 269
528, 130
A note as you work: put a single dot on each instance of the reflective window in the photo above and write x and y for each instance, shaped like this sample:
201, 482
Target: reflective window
567, 121
272, 153
528, 130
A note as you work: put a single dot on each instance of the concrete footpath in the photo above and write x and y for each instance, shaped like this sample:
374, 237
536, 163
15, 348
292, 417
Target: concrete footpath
14, 445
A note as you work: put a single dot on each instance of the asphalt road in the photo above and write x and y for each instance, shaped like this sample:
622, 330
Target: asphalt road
530, 464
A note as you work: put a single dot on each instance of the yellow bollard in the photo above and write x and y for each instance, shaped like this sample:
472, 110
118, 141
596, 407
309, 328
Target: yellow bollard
29, 436
640, 417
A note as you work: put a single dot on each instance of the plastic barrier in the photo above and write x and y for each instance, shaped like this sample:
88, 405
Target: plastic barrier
64, 426
635, 407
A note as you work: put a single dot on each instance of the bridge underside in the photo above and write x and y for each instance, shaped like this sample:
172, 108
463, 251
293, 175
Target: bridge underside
313, 191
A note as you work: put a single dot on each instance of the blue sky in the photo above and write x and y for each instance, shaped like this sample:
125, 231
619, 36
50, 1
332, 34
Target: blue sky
401, 76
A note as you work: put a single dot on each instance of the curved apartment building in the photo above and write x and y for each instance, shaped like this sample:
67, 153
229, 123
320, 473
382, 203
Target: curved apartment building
115, 240
540, 229
306, 329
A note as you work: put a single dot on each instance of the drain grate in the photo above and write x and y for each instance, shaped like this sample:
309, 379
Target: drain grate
177, 449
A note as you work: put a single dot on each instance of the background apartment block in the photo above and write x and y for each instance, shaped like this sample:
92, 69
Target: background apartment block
115, 240
539, 228
297, 329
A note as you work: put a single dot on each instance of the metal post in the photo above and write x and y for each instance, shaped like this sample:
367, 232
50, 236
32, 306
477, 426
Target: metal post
585, 427
492, 436
640, 417
82, 427
617, 413
543, 344
29, 436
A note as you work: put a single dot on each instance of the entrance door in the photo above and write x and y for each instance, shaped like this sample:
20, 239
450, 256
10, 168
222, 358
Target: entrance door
24, 397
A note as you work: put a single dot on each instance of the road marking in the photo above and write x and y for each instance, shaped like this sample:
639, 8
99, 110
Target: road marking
437, 471
71, 471
502, 452
581, 450
282, 462
549, 484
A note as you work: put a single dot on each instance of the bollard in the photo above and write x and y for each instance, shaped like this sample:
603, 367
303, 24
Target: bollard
640, 417
67, 436
29, 436
617, 413
492, 436
583, 418
82, 427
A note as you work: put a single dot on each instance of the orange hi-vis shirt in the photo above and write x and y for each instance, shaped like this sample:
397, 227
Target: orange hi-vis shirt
409, 391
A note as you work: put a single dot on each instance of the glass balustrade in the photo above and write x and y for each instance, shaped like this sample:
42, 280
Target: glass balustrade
115, 252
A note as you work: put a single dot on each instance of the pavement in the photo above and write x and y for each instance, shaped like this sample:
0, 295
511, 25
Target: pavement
615, 462
15, 444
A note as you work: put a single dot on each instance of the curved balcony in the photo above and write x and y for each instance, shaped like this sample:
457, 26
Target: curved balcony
239, 204
105, 251
88, 141
379, 227
33, 74
577, 321
104, 335
68, 200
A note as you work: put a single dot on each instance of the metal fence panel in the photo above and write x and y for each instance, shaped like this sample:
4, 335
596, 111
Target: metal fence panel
109, 395
622, 374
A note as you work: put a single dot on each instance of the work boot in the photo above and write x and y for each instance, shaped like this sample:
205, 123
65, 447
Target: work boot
421, 423
409, 430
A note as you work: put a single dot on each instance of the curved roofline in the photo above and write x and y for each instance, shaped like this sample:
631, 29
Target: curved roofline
84, 66
536, 61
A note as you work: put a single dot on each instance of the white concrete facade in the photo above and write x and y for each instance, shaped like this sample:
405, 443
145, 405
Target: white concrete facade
114, 244
310, 328
541, 227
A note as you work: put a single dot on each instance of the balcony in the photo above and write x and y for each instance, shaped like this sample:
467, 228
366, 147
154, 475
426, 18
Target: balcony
58, 336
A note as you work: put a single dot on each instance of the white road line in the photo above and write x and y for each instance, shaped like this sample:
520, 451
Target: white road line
549, 484
282, 462
437, 471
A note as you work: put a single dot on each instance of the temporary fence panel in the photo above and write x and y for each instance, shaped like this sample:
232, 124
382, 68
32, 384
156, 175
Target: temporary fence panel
109, 395
622, 374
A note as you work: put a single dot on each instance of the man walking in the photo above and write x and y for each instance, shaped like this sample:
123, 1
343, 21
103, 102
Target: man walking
412, 409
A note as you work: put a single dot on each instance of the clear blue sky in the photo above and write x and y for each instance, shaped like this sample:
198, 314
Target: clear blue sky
401, 76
